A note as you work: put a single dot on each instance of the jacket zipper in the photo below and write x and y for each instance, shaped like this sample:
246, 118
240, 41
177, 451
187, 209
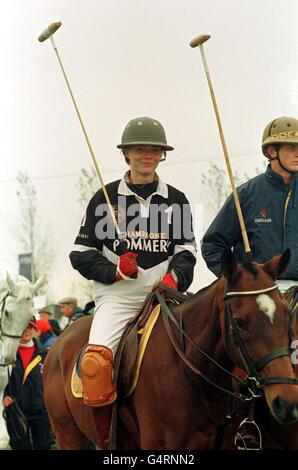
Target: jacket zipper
285, 213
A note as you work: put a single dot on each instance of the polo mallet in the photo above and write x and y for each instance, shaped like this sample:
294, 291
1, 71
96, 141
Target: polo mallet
199, 41
46, 34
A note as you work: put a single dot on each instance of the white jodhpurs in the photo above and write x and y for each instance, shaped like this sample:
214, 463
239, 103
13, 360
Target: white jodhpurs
110, 318
116, 304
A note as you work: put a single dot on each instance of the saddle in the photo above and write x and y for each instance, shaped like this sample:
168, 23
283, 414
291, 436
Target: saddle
132, 346
291, 296
126, 356
127, 364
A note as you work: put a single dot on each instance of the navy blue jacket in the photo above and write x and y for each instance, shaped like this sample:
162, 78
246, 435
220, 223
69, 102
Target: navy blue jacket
270, 212
30, 395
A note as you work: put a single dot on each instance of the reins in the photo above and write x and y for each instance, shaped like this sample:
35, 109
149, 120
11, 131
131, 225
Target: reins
167, 317
254, 382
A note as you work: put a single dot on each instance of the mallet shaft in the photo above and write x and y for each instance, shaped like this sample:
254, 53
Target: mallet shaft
199, 42
88, 141
48, 33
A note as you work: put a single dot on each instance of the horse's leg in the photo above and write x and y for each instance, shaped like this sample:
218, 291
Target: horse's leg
4, 438
127, 430
67, 433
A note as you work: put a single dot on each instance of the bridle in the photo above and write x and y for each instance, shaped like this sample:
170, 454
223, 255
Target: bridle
251, 387
2, 332
254, 382
253, 369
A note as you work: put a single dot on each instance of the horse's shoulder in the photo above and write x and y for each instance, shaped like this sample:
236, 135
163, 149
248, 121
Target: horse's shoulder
77, 330
83, 321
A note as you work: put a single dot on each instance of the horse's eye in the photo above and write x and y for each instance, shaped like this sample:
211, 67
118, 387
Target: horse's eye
240, 323
6, 313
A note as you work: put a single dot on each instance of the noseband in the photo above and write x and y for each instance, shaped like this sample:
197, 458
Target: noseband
253, 369
2, 332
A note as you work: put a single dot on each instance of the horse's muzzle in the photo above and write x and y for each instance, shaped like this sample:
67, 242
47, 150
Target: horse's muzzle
283, 411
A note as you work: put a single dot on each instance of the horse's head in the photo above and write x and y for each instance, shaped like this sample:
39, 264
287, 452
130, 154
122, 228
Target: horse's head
16, 308
255, 328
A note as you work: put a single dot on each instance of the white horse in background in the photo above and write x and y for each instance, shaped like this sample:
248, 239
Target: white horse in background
16, 309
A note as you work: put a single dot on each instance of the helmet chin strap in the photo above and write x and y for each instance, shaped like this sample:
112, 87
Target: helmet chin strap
281, 165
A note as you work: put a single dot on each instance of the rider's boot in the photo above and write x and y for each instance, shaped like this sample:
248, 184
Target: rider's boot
97, 376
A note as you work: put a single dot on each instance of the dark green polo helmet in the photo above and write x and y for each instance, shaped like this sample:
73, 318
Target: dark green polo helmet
144, 131
283, 130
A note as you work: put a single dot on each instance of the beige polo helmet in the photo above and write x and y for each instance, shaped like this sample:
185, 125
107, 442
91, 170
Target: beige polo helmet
282, 130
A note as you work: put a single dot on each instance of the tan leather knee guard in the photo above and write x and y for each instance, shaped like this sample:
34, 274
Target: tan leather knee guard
97, 376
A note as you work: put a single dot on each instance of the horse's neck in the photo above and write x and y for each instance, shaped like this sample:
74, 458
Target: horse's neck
203, 306
201, 316
202, 324
3, 286
3, 378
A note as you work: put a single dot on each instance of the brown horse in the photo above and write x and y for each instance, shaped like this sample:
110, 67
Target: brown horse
181, 395
274, 434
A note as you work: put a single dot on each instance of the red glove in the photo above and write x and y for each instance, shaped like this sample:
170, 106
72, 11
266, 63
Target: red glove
127, 265
169, 281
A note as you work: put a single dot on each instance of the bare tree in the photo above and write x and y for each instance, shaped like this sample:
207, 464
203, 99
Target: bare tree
217, 187
33, 236
87, 185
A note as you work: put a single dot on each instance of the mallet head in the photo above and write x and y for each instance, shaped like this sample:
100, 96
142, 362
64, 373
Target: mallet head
49, 31
199, 40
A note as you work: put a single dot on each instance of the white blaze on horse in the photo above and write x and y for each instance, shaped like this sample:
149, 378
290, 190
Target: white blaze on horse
16, 309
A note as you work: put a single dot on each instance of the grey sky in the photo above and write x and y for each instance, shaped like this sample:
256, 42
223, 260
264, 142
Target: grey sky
131, 57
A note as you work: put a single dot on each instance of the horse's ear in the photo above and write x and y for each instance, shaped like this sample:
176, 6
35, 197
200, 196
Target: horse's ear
229, 265
277, 265
38, 284
12, 286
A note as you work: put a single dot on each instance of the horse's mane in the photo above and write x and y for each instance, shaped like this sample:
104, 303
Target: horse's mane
247, 266
201, 293
206, 288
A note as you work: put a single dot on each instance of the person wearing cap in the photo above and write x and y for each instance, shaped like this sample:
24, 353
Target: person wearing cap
45, 334
70, 310
25, 386
269, 204
45, 313
155, 242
